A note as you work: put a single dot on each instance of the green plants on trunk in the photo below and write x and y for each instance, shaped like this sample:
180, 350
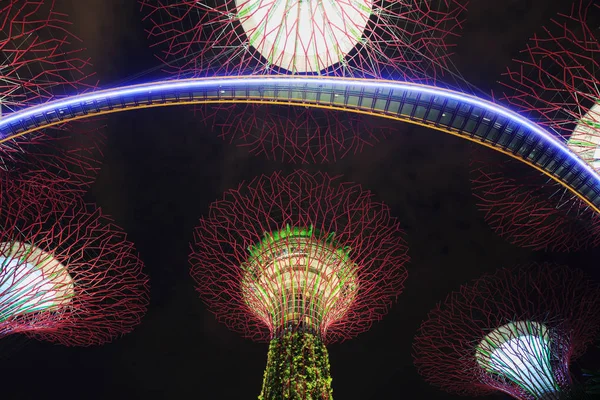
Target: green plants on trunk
297, 368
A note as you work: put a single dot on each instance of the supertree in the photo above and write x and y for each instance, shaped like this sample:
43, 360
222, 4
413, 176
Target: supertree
67, 273
40, 60
515, 331
405, 39
300, 261
555, 82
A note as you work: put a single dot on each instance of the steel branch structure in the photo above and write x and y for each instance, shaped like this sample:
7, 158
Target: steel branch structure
404, 39
298, 260
67, 273
528, 209
515, 331
296, 135
67, 158
556, 82
39, 61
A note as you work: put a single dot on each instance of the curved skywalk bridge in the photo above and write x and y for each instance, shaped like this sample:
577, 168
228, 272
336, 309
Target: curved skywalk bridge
445, 110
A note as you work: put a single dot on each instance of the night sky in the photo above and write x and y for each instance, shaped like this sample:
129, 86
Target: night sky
163, 167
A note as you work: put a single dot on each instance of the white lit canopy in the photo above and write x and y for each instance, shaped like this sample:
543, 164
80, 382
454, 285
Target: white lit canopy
304, 35
520, 352
31, 280
292, 277
585, 140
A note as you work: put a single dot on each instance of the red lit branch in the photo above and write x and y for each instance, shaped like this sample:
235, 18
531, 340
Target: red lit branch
68, 158
39, 60
556, 78
68, 274
39, 57
296, 135
528, 209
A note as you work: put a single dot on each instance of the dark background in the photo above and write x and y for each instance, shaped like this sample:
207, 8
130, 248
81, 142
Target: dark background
162, 169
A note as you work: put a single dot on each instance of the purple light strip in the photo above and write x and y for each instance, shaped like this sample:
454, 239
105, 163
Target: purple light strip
253, 80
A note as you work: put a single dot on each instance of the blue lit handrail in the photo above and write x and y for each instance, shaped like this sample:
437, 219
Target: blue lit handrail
449, 111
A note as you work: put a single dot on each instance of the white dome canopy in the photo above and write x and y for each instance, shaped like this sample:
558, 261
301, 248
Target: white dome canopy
304, 35
31, 280
585, 140
520, 352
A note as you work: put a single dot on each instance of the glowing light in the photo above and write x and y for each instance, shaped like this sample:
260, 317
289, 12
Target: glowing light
31, 280
304, 35
295, 278
520, 352
339, 85
585, 140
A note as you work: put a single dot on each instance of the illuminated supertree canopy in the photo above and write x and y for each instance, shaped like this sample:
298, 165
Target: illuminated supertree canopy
399, 39
298, 260
67, 273
40, 60
356, 38
515, 331
554, 82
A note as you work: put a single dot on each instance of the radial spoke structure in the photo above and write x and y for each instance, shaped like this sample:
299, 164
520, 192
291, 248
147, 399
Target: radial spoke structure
298, 260
555, 82
361, 38
515, 331
67, 274
400, 39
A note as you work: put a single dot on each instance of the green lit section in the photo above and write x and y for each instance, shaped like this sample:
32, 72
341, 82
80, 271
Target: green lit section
288, 232
297, 369
31, 280
520, 352
299, 277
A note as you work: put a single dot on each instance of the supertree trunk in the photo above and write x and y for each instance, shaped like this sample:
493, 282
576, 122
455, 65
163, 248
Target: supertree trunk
297, 368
